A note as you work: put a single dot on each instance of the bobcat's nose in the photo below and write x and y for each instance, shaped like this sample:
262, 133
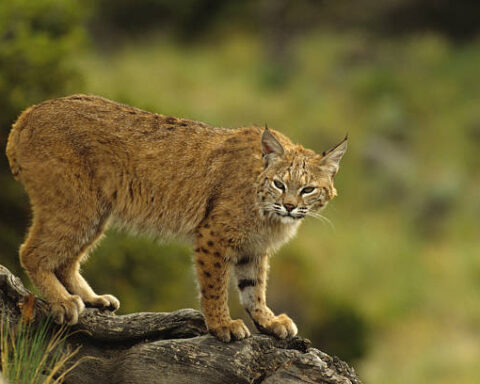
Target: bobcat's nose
289, 207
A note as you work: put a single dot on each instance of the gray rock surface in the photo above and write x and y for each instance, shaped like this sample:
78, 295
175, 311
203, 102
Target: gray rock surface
175, 348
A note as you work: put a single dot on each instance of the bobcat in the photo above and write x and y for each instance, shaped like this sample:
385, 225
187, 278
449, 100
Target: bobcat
239, 195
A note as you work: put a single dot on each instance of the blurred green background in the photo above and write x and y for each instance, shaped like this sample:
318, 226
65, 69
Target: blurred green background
393, 285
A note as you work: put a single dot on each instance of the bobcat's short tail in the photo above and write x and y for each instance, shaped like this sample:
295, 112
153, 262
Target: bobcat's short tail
13, 141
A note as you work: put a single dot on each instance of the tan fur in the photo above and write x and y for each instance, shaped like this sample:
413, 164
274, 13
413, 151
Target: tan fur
85, 161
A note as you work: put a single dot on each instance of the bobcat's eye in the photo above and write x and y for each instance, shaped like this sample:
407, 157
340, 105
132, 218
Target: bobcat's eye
307, 190
279, 185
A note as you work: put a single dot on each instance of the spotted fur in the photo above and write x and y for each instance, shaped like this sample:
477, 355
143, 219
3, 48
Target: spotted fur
86, 162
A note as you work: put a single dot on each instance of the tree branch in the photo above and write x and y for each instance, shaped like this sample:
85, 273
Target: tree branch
174, 348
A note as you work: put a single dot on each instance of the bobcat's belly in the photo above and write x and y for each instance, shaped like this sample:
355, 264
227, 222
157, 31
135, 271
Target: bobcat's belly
159, 215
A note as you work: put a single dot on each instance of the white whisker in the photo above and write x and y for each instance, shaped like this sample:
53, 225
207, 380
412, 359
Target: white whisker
322, 218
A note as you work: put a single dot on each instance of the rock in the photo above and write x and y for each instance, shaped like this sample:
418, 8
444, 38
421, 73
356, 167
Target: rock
175, 348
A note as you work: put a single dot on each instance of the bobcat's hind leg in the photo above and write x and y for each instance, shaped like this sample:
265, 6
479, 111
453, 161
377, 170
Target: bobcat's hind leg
51, 254
69, 275
40, 255
69, 271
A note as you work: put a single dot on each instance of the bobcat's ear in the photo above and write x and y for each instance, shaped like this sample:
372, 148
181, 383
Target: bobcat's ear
330, 159
271, 147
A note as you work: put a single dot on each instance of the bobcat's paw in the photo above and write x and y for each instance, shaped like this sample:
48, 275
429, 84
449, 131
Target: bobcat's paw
234, 330
104, 301
280, 326
67, 311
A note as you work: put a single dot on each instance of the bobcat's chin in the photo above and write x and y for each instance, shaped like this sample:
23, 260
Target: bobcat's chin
288, 219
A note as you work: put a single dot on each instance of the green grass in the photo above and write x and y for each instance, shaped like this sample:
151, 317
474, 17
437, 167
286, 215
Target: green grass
33, 354
402, 259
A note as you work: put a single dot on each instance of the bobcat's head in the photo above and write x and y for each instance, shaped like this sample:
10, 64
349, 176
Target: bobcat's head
296, 181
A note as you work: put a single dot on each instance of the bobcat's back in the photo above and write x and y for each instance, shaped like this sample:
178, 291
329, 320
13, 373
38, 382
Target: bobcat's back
152, 171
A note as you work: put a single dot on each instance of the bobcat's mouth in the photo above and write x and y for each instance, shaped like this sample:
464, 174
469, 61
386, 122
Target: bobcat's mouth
296, 217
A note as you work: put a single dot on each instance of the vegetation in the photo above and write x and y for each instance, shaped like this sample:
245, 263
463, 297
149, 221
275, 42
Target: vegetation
32, 354
36, 42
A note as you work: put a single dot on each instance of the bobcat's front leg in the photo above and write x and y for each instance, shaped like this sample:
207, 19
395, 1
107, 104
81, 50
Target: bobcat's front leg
212, 265
251, 273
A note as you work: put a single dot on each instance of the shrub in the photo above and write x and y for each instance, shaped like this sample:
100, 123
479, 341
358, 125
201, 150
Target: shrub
37, 39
